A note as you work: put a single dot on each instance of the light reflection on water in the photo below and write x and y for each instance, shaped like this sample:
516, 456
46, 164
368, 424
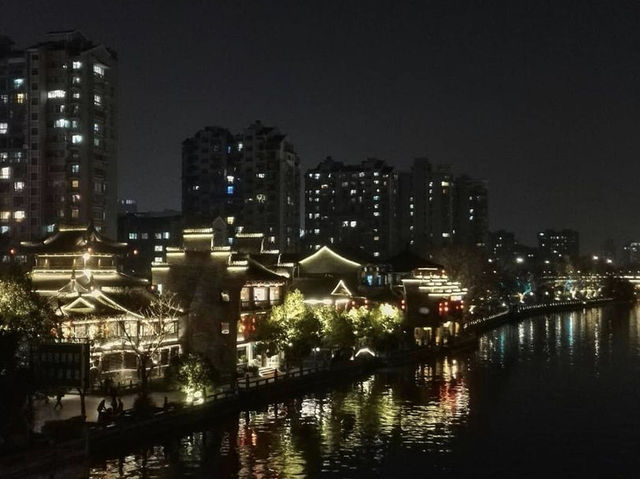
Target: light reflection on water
534, 386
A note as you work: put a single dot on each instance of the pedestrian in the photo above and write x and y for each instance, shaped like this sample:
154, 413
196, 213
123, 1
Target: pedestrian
120, 405
101, 406
59, 396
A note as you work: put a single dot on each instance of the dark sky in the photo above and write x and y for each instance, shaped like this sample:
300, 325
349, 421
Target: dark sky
540, 98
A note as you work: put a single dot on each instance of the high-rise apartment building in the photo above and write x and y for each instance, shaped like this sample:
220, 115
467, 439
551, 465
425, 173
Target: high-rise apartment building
555, 245
433, 200
57, 136
471, 212
444, 209
251, 180
353, 206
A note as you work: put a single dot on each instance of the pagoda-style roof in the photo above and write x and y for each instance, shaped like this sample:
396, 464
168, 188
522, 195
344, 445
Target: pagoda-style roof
324, 287
325, 261
406, 261
248, 243
75, 239
48, 282
252, 271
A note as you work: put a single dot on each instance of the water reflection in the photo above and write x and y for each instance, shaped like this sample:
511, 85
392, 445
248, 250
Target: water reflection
535, 385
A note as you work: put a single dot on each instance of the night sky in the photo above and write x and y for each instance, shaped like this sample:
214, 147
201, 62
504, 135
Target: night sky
540, 98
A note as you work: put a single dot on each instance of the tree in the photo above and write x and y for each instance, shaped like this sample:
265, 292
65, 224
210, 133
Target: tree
337, 328
24, 312
386, 321
192, 372
290, 328
159, 319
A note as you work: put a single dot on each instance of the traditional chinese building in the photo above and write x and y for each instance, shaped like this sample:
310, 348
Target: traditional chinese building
77, 269
226, 292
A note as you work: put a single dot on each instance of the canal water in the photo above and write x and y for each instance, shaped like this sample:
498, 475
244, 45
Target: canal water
555, 395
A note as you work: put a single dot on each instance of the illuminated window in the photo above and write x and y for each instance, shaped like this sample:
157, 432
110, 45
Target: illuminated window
20, 98
5, 173
5, 215
230, 189
75, 184
157, 235
133, 236
75, 212
56, 94
62, 123
97, 100
4, 156
18, 186
18, 82
353, 224
75, 168
77, 65
165, 235
98, 70
4, 99
158, 259
19, 215
240, 146
230, 179
144, 235
260, 175
158, 248
75, 198
96, 127
76, 95
76, 139
230, 220
4, 127
261, 198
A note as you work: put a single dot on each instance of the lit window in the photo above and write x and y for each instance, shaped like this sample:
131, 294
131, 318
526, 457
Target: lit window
353, 224
5, 215
230, 220
230, 189
260, 175
56, 94
19, 215
18, 186
165, 235
195, 187
230, 179
261, 198
75, 168
20, 98
96, 127
75, 212
98, 70
5, 173
76, 95
75, 198
4, 229
97, 100
75, 184
76, 139
240, 145
77, 65
157, 235
4, 156
157, 259
376, 254
96, 142
4, 127
158, 248
62, 123
4, 99
18, 82
144, 235
133, 236
74, 123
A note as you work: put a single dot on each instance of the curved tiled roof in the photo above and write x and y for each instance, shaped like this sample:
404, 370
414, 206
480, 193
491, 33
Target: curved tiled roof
74, 239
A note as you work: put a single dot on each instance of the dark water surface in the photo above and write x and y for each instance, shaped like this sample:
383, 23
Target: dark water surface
551, 396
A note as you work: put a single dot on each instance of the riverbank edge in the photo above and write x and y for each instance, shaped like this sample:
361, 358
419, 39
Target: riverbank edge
139, 430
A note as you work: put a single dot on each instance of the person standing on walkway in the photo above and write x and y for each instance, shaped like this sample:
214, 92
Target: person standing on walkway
59, 396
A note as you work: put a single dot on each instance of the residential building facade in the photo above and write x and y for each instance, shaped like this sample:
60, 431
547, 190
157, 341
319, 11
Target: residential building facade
57, 136
251, 180
355, 206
